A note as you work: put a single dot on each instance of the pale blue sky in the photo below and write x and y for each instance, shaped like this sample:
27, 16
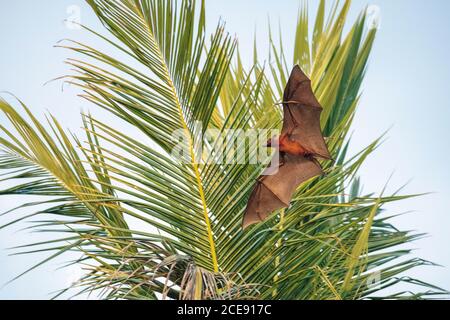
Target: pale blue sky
407, 87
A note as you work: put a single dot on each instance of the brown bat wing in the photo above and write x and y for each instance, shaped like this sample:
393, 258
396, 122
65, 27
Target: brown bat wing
273, 192
302, 114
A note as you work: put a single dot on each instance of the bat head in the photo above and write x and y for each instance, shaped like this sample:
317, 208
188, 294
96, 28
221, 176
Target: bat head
273, 142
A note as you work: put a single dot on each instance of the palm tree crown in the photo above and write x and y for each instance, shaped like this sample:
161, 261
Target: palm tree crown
333, 242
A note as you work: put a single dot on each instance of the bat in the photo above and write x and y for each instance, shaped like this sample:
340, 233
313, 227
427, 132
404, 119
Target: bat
300, 144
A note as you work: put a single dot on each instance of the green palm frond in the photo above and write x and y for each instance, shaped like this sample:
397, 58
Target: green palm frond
329, 244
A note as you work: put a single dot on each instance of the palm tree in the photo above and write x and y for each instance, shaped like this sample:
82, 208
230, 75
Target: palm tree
334, 242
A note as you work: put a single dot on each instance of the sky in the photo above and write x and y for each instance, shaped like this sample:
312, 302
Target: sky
406, 91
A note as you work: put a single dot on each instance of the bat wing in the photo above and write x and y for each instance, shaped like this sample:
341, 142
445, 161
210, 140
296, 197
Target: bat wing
273, 192
302, 114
